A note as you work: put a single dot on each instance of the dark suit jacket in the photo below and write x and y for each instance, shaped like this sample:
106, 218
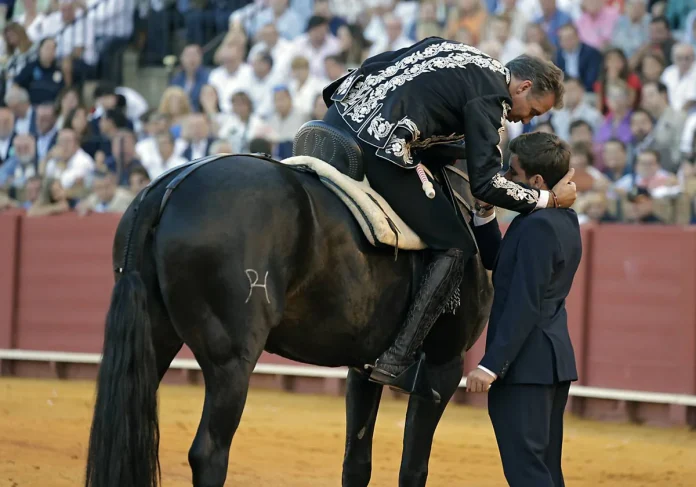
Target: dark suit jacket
589, 64
528, 340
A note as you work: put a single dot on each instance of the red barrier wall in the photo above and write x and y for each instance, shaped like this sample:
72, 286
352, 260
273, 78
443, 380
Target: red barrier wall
9, 225
65, 282
632, 311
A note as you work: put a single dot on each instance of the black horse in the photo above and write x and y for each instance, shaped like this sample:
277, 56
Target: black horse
246, 255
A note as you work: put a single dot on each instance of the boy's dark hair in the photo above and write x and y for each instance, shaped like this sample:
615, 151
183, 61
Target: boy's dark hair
545, 76
543, 154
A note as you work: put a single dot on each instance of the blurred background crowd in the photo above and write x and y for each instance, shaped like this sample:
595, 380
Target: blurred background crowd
82, 128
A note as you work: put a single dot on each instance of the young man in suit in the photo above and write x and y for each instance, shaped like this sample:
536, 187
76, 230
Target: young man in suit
529, 361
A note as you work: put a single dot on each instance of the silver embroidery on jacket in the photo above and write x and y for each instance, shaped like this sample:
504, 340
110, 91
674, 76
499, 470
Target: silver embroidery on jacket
345, 86
379, 128
400, 148
366, 95
515, 190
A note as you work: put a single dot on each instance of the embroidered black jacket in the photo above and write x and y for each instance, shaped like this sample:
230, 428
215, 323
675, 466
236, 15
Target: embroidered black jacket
436, 91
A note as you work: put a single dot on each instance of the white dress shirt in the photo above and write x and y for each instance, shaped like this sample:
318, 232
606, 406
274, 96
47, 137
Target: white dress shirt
43, 141
261, 93
111, 18
72, 36
316, 56
174, 161
227, 84
79, 166
680, 89
687, 139
279, 53
22, 125
303, 97
199, 149
5, 148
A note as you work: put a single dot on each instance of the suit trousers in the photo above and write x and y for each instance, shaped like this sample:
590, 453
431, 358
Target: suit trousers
528, 424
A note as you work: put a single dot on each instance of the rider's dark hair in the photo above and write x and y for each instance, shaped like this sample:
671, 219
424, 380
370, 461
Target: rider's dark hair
544, 154
545, 76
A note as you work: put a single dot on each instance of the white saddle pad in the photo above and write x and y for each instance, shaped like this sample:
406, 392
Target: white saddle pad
378, 221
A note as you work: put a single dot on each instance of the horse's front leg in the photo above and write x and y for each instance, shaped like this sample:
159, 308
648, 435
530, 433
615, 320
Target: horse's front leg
362, 403
422, 418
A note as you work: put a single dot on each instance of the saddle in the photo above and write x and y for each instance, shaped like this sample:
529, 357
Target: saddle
337, 159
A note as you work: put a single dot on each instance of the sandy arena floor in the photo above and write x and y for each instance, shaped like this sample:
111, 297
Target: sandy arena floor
297, 440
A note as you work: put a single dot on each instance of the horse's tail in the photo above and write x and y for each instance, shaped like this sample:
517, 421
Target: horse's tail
124, 439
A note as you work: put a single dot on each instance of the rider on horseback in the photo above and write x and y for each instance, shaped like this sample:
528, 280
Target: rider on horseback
401, 103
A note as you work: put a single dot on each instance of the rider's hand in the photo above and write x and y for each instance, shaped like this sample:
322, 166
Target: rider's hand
478, 381
565, 192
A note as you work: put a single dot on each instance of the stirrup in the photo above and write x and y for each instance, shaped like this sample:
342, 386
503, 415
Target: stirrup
413, 380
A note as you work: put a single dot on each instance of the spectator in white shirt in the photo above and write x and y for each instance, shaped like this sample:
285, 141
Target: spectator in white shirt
288, 22
68, 161
46, 129
231, 76
304, 87
284, 123
395, 38
270, 41
113, 27
244, 126
166, 153
518, 17
197, 133
106, 196
146, 149
317, 44
687, 146
680, 78
260, 84
649, 174
17, 100
501, 31
32, 21
575, 107
7, 133
75, 37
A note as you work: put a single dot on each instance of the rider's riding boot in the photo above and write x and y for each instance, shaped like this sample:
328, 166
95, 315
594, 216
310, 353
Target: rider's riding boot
438, 291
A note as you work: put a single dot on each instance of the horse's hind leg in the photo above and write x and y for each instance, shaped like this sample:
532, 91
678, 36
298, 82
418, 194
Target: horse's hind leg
227, 346
362, 403
226, 387
422, 418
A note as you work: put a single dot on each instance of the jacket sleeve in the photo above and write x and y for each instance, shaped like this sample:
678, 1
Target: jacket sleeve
536, 253
484, 119
488, 238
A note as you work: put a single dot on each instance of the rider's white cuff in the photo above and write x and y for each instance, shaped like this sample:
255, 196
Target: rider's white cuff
488, 371
543, 199
479, 221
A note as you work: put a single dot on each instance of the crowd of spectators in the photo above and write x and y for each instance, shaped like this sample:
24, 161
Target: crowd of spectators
250, 73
